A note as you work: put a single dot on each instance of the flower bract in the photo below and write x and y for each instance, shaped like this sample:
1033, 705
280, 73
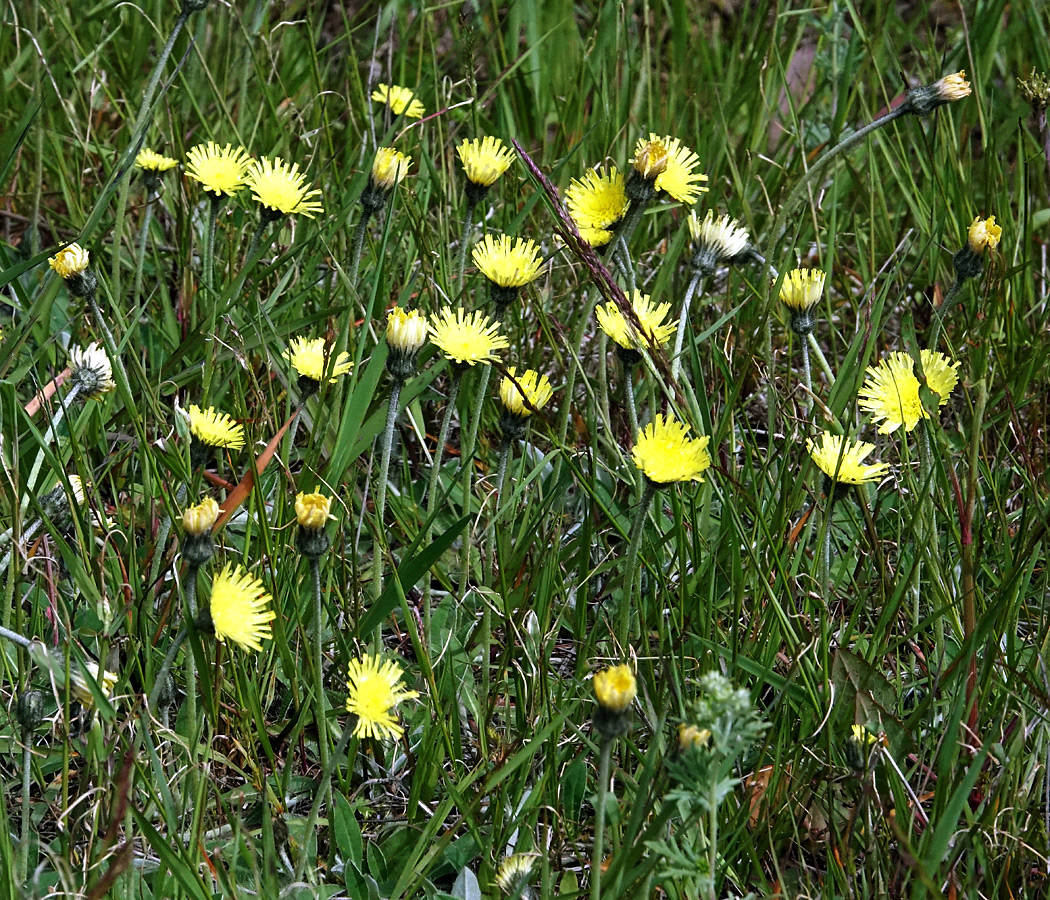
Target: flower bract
149, 161
530, 386
615, 688
484, 160
309, 358
70, 261
665, 453
399, 99
373, 692
597, 202
220, 170
842, 460
506, 261
389, 168
467, 337
240, 608
679, 177
282, 189
650, 318
215, 428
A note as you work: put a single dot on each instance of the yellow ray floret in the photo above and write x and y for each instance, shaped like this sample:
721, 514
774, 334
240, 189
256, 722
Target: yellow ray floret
399, 99
484, 160
309, 358
521, 394
373, 692
240, 608
215, 428
665, 453
220, 170
282, 188
506, 261
650, 318
467, 337
842, 460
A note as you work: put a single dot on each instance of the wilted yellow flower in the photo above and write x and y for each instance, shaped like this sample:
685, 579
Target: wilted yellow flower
220, 170
530, 386
70, 261
312, 511
373, 691
484, 160
282, 189
615, 688
78, 685
983, 233
715, 241
240, 608
399, 99
507, 262
91, 371
215, 428
952, 87
665, 453
514, 873
597, 202
467, 337
679, 177
842, 460
200, 519
650, 317
389, 168
692, 738
149, 161
309, 358
650, 157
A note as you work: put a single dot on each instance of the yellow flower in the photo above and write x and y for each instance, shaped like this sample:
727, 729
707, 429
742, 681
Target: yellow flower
485, 160
240, 608
952, 87
514, 873
282, 189
154, 162
692, 738
105, 682
615, 688
406, 330
715, 240
506, 261
309, 359
313, 510
679, 177
76, 483
91, 371
801, 289
399, 99
200, 519
71, 261
650, 317
891, 394
842, 460
215, 428
597, 202
650, 157
220, 170
984, 233
373, 691
861, 735
665, 453
389, 168
940, 372
530, 386
467, 337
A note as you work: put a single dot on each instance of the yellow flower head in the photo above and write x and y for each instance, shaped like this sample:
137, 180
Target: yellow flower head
467, 337
941, 373
91, 371
597, 202
716, 240
801, 289
373, 691
615, 688
891, 394
406, 330
665, 453
309, 359
485, 160
692, 738
842, 460
650, 317
214, 428
73, 260
679, 177
220, 170
105, 681
200, 519
506, 261
513, 874
389, 168
952, 87
861, 735
281, 188
399, 99
530, 386
76, 483
149, 161
313, 510
983, 233
240, 608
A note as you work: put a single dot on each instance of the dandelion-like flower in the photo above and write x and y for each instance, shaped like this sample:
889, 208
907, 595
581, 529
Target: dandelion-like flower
220, 170
373, 692
952, 87
513, 874
484, 160
941, 373
406, 332
91, 372
597, 202
525, 393
200, 519
151, 162
214, 428
70, 262
312, 511
615, 688
800, 292
310, 359
983, 233
921, 101
507, 262
467, 337
399, 99
389, 168
842, 460
239, 610
891, 390
650, 318
715, 241
104, 680
665, 453
679, 176
282, 189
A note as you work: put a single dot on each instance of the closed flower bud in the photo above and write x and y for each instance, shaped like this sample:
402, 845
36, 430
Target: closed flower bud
983, 233
30, 710
312, 511
200, 519
615, 689
921, 101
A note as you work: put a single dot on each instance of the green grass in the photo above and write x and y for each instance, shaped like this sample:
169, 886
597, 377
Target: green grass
213, 797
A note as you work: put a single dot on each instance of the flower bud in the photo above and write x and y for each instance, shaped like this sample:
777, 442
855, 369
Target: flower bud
29, 710
312, 511
615, 689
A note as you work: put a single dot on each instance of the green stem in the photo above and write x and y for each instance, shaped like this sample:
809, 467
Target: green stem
825, 550
22, 869
808, 375
604, 761
322, 723
464, 240
15, 637
357, 246
623, 626
209, 241
162, 537
676, 360
191, 660
712, 839
467, 462
119, 373
165, 667
381, 485
140, 253
501, 477
811, 340
950, 299
628, 397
